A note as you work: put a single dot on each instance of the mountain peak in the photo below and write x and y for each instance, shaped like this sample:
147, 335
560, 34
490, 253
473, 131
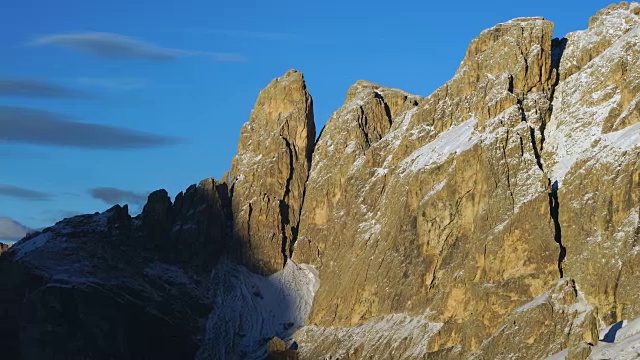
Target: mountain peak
269, 173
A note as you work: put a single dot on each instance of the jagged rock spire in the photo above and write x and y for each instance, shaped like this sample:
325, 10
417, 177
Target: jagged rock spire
269, 173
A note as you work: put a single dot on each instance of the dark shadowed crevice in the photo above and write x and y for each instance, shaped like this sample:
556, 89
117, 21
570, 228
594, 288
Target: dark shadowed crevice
387, 112
557, 51
295, 229
309, 152
523, 114
554, 212
506, 161
536, 152
542, 128
610, 336
284, 204
249, 224
363, 123
558, 47
521, 146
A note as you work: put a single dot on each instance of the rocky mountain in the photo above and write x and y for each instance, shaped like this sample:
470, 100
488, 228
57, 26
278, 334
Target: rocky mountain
497, 218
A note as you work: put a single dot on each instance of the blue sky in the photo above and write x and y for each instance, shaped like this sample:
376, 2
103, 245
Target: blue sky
103, 102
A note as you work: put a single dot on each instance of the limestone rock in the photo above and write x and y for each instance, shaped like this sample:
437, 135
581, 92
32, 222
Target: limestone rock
472, 202
435, 213
277, 350
605, 28
200, 224
194, 229
269, 173
156, 217
3, 247
557, 319
89, 289
111, 284
592, 152
276, 345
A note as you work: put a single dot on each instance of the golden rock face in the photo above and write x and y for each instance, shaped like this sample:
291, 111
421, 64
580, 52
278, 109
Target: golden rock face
419, 221
456, 209
269, 173
457, 213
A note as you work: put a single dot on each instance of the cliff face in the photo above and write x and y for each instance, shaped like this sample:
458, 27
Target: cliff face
498, 216
439, 187
269, 173
520, 170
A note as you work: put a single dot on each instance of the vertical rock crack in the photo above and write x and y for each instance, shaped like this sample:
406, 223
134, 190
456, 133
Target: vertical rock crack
284, 205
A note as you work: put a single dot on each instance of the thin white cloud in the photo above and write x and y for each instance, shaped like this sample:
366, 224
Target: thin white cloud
116, 47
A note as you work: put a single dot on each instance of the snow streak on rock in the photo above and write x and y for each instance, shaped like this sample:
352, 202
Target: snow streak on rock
396, 336
453, 141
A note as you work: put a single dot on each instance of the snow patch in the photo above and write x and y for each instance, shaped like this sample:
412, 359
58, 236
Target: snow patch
626, 345
537, 301
22, 248
434, 190
400, 335
453, 141
625, 139
559, 356
250, 309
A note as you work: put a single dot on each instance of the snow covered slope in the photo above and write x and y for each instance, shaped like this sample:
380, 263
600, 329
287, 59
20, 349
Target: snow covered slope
250, 309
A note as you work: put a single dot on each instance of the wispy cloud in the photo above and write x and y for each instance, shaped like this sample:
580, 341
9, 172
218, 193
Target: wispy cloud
11, 230
23, 193
31, 126
115, 46
112, 196
114, 83
37, 89
259, 35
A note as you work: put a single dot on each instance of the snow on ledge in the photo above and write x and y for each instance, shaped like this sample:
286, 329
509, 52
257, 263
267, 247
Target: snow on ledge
455, 140
625, 345
625, 139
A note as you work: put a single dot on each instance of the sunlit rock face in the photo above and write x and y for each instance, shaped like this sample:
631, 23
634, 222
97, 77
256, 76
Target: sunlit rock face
457, 209
495, 218
269, 173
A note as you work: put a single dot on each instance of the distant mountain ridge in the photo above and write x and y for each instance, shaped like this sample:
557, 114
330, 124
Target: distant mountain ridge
498, 217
